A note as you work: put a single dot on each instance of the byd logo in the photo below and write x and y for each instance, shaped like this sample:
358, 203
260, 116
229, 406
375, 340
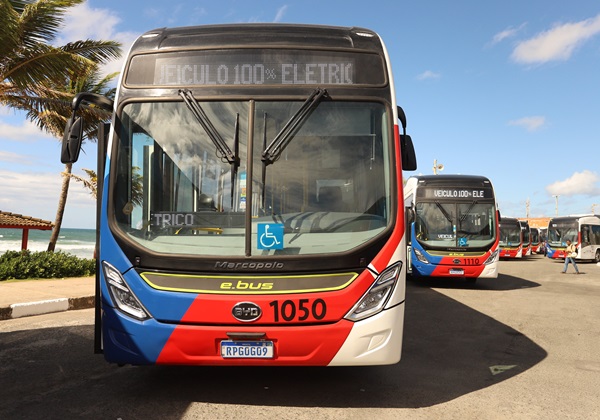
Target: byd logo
246, 311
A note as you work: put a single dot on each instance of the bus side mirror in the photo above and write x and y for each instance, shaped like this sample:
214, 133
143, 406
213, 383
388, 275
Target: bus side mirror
72, 139
407, 150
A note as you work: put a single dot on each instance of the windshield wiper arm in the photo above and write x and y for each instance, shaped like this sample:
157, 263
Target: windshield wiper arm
465, 214
274, 150
444, 212
236, 153
223, 150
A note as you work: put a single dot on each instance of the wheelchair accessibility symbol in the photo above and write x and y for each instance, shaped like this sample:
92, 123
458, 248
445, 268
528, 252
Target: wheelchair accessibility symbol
270, 236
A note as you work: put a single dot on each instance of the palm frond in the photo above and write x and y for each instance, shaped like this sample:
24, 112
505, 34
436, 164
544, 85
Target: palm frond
40, 64
96, 51
91, 183
9, 18
41, 20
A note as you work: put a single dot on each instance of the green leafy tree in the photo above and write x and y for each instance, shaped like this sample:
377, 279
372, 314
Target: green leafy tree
42, 79
30, 67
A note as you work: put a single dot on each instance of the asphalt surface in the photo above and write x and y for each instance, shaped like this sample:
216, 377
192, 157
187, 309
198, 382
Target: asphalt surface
523, 346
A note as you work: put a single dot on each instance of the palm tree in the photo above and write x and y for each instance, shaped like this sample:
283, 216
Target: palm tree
42, 79
55, 119
91, 183
29, 64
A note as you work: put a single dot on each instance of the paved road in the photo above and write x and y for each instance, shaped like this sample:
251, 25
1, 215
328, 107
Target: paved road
523, 346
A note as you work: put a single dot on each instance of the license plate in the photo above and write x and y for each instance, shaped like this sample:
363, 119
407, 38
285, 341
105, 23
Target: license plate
231, 349
458, 271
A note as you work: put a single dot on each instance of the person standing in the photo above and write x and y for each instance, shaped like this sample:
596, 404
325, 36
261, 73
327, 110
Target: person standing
570, 254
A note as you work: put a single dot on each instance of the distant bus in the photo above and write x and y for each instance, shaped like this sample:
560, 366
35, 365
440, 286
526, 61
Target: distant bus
526, 237
452, 227
536, 241
251, 206
583, 231
511, 238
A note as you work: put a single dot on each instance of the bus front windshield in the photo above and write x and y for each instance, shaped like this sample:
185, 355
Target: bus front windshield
185, 184
559, 233
510, 234
468, 225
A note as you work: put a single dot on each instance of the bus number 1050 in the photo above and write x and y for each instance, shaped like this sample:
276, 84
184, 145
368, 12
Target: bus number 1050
289, 310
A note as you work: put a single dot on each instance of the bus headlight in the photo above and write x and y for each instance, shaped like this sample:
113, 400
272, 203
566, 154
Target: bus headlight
492, 257
121, 294
420, 256
376, 297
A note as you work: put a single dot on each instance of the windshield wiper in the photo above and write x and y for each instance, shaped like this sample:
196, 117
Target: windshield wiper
274, 150
223, 150
466, 213
444, 212
236, 153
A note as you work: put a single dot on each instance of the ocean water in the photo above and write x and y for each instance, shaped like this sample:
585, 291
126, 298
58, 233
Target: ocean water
78, 242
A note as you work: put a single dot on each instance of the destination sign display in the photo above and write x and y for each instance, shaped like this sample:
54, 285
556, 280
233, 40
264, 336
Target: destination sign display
444, 193
256, 67
207, 221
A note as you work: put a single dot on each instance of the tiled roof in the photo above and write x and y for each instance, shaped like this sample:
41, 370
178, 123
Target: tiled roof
13, 220
539, 222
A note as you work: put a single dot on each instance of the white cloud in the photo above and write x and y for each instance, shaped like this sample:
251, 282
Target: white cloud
584, 183
13, 157
26, 132
557, 43
529, 123
84, 22
428, 74
507, 33
280, 12
36, 194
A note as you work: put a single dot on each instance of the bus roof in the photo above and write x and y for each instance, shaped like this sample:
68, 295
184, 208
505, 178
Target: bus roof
257, 34
586, 217
451, 179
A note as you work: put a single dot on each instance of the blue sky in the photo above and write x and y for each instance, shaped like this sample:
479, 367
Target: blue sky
506, 89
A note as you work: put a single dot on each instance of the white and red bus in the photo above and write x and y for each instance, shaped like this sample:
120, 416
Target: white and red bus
526, 237
452, 226
583, 231
251, 205
536, 240
513, 243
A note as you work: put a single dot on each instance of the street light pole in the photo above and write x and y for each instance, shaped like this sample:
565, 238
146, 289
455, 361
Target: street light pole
556, 206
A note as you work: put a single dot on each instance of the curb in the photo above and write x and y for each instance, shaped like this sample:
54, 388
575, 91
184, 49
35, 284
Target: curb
19, 310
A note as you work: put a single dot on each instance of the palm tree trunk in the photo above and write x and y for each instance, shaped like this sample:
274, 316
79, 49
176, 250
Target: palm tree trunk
62, 202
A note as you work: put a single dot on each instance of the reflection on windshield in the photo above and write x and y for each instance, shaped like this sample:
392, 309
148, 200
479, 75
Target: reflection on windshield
510, 235
450, 225
178, 191
274, 150
558, 234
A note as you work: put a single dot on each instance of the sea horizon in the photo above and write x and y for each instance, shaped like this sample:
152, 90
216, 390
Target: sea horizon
74, 241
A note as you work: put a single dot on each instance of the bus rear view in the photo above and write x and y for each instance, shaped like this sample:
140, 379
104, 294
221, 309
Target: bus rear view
251, 210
